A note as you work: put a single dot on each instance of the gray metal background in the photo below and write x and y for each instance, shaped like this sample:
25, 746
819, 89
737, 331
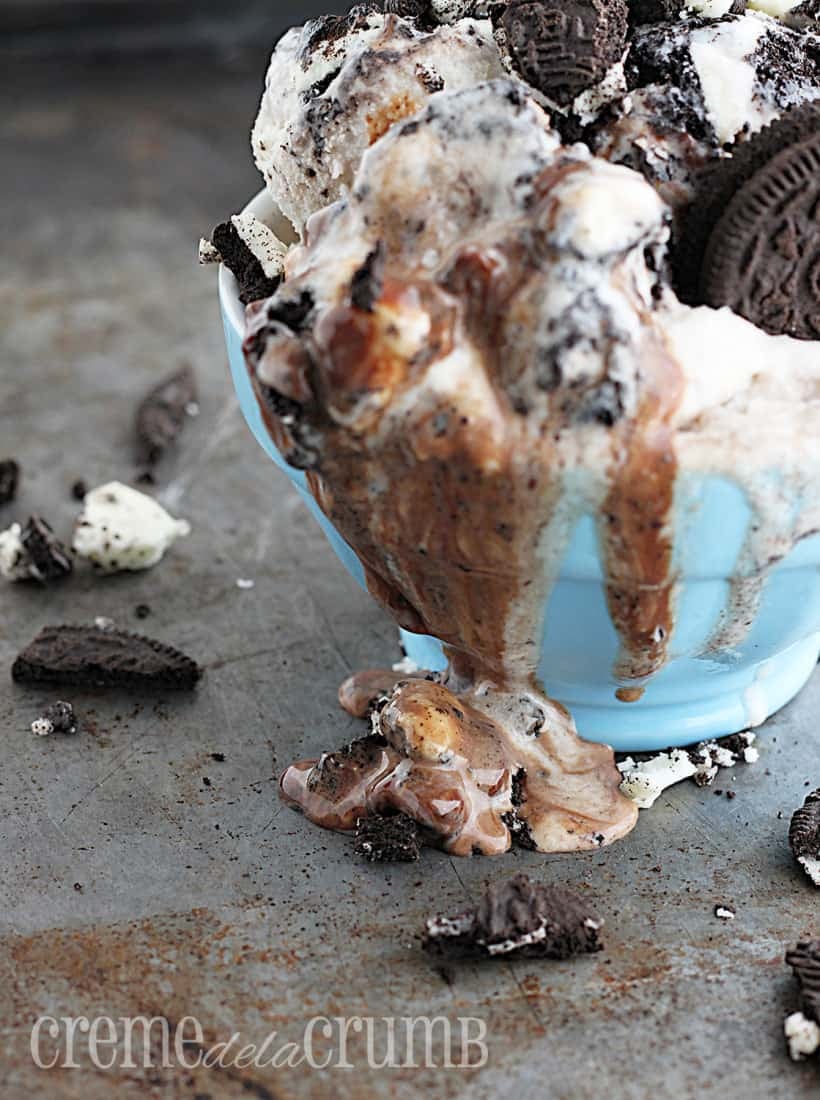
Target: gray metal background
214, 900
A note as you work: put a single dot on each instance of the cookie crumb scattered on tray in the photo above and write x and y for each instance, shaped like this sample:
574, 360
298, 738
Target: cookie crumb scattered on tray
519, 917
56, 718
804, 836
9, 480
388, 839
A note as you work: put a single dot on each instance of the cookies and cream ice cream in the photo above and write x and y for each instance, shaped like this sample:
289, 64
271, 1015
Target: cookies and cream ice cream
477, 341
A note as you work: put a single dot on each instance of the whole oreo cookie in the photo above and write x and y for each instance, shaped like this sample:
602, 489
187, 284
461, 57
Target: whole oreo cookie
563, 49
763, 255
719, 181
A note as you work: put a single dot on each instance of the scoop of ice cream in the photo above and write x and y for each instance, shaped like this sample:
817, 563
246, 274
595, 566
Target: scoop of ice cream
337, 84
519, 244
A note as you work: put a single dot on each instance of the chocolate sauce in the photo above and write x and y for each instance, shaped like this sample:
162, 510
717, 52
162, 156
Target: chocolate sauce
441, 459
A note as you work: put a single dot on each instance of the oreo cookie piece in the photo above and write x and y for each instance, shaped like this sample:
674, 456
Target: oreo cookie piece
9, 480
804, 836
804, 959
519, 917
418, 10
161, 415
564, 49
87, 656
717, 184
48, 558
246, 268
805, 17
393, 839
56, 718
763, 255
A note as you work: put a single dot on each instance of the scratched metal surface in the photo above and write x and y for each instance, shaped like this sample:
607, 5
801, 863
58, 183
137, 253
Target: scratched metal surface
209, 899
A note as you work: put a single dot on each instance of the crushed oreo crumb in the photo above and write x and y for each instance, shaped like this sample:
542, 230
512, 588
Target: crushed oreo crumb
518, 826
804, 836
79, 489
366, 286
56, 718
162, 413
142, 610
804, 959
519, 917
390, 839
718, 182
9, 480
87, 656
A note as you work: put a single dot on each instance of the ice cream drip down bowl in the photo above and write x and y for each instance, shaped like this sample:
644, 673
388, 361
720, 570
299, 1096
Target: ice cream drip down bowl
743, 641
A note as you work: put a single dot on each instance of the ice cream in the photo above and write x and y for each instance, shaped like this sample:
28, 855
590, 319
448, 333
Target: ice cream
477, 342
337, 84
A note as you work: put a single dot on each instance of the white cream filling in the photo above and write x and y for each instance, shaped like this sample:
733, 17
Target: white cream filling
722, 56
811, 867
711, 9
15, 564
122, 529
802, 1035
263, 243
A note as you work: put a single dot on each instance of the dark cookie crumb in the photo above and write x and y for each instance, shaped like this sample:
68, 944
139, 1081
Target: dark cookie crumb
805, 17
254, 284
142, 610
219, 757
87, 656
519, 917
60, 717
9, 480
162, 413
519, 828
366, 286
391, 839
79, 490
804, 836
419, 10
50, 561
804, 959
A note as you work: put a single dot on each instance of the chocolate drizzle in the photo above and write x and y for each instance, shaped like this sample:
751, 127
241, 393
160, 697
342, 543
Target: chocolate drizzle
439, 459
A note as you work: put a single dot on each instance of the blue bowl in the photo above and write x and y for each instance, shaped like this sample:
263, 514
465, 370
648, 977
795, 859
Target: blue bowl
694, 696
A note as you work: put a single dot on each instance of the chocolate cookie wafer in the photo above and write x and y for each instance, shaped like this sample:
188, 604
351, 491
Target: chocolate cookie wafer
804, 836
763, 255
563, 49
804, 959
86, 656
